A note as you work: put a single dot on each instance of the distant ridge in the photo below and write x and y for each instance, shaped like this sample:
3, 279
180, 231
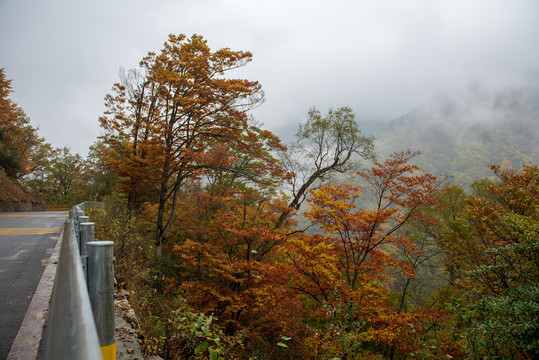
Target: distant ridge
460, 135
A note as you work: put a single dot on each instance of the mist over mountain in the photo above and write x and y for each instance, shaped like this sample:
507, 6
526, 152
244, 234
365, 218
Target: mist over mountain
460, 134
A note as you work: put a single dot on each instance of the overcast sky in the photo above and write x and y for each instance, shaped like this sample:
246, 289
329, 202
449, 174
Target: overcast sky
381, 57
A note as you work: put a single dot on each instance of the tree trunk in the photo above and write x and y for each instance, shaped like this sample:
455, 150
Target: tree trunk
159, 234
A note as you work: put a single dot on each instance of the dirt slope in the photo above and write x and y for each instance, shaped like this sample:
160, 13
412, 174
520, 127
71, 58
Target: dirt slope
13, 197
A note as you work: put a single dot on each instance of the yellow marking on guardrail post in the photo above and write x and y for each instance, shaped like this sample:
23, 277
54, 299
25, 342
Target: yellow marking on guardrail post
108, 352
29, 231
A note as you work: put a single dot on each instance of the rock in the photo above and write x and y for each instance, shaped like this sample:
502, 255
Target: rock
122, 294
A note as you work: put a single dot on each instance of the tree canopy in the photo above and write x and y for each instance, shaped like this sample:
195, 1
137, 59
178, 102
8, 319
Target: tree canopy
236, 246
162, 121
19, 141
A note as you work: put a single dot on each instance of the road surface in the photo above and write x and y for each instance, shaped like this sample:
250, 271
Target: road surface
26, 240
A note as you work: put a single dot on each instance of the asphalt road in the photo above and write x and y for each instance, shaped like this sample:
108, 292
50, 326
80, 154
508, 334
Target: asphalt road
26, 239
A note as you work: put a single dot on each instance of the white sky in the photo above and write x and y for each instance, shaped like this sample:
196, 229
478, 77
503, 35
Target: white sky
381, 57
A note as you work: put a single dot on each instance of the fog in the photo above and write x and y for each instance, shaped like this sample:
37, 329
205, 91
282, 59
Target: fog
381, 58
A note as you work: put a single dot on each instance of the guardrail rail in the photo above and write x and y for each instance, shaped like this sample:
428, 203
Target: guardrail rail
81, 316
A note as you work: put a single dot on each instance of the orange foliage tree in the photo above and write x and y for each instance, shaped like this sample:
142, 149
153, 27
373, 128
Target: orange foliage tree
327, 294
20, 145
227, 260
344, 275
161, 121
218, 229
494, 243
491, 246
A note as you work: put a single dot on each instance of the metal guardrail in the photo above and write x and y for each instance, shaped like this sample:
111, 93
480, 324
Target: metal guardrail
71, 327
81, 317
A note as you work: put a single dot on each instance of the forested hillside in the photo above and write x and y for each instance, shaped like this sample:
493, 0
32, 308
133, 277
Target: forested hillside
458, 135
205, 213
235, 246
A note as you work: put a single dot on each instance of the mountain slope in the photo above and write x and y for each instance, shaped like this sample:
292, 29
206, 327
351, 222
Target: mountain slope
461, 135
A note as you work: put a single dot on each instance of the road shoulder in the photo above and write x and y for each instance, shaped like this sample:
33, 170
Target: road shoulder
127, 345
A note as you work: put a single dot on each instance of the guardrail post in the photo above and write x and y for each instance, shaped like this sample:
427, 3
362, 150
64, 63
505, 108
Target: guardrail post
77, 213
87, 231
101, 291
75, 217
81, 219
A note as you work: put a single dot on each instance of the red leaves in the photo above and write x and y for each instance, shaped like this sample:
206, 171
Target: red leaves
326, 287
351, 263
398, 183
400, 190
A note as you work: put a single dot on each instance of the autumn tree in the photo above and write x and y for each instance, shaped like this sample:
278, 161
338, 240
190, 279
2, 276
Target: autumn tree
20, 144
37, 180
160, 124
102, 179
219, 225
219, 270
62, 177
243, 222
325, 145
493, 242
346, 271
400, 191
